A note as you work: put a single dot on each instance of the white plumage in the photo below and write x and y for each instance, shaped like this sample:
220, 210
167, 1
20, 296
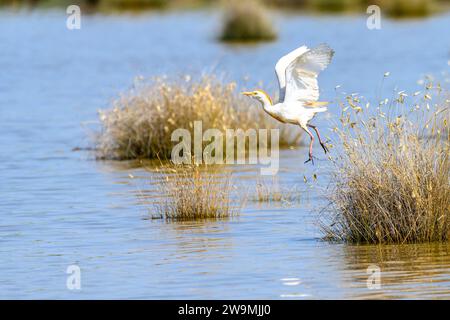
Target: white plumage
299, 90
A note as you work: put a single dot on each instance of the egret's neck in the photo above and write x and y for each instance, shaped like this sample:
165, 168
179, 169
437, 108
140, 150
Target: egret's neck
266, 101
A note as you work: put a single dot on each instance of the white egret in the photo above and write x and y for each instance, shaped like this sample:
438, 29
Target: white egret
299, 91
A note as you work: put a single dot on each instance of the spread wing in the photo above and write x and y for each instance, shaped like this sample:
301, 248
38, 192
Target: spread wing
302, 72
281, 66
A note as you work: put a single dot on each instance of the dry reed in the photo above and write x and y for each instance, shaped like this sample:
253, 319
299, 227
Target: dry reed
192, 192
391, 181
140, 123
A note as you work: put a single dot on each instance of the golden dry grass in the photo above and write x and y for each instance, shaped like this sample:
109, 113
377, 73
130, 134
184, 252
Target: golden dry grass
247, 21
192, 192
271, 191
141, 121
391, 181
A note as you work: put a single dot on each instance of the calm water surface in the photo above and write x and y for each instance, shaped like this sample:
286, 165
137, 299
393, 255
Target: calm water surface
61, 207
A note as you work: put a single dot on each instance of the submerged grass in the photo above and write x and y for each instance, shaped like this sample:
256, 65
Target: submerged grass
391, 181
192, 192
141, 121
247, 21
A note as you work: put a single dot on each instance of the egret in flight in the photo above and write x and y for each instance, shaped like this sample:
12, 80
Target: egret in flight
299, 91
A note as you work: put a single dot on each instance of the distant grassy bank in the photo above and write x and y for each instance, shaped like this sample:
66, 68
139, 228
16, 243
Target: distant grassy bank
108, 5
247, 21
392, 8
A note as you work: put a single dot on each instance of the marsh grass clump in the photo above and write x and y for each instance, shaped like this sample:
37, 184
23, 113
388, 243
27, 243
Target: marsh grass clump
247, 21
193, 192
407, 8
140, 123
391, 181
270, 191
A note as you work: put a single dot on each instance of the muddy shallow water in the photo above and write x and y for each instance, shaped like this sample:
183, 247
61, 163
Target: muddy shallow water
62, 208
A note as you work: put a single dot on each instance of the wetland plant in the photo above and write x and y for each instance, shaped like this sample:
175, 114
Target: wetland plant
193, 192
392, 8
133, 4
391, 181
270, 191
407, 8
254, 22
247, 21
141, 121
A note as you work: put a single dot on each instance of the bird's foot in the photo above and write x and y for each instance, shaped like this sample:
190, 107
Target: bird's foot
311, 158
324, 147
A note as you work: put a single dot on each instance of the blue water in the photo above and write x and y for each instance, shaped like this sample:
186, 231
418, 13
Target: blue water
60, 208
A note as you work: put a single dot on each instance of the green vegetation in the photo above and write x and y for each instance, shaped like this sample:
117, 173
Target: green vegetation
108, 5
391, 181
141, 122
50, 3
134, 4
407, 8
334, 5
247, 21
392, 8
253, 23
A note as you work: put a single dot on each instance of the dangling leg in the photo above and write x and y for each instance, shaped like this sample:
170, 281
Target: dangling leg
310, 144
322, 144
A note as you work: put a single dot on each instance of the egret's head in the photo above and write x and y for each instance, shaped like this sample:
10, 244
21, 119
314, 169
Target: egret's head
259, 95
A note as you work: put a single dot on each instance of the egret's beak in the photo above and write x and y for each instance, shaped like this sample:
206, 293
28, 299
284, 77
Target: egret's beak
247, 93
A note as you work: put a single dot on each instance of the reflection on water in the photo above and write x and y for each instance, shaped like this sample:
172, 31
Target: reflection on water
407, 271
199, 237
61, 207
